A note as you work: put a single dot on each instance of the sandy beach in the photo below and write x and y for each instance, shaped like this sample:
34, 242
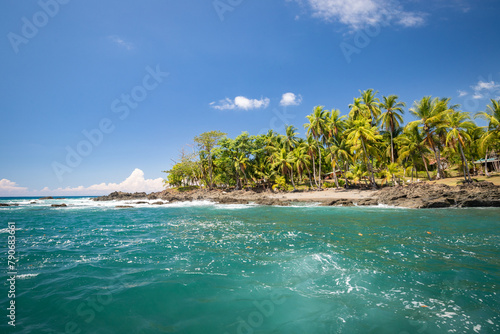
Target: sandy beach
327, 195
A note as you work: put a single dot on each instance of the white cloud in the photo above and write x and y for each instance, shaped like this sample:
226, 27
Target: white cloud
462, 93
483, 85
9, 188
359, 14
242, 103
482, 89
290, 99
134, 183
121, 42
411, 19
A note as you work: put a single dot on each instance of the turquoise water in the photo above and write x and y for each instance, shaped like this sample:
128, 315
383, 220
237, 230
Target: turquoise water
205, 268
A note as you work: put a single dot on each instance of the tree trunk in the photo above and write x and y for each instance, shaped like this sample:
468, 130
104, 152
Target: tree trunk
370, 168
211, 184
291, 176
431, 144
426, 169
238, 181
309, 173
335, 175
440, 167
314, 170
319, 169
392, 149
465, 164
486, 166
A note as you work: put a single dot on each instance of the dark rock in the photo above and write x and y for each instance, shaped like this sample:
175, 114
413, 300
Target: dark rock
59, 205
367, 202
342, 202
425, 195
437, 203
123, 206
158, 203
118, 195
5, 205
47, 197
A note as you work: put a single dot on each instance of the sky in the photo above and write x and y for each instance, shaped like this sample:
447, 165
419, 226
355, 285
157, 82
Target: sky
98, 96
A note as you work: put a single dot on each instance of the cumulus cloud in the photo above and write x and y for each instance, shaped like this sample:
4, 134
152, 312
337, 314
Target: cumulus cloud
241, 103
136, 182
358, 14
290, 99
9, 188
484, 89
121, 42
483, 85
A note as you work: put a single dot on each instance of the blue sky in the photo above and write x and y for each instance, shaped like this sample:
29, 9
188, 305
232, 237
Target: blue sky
99, 96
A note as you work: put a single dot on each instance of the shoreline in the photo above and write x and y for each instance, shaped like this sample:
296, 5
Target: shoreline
414, 196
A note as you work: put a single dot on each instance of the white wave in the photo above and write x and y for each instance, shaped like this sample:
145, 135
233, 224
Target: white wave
25, 276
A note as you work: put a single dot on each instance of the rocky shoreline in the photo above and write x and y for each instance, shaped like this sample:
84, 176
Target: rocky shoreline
417, 196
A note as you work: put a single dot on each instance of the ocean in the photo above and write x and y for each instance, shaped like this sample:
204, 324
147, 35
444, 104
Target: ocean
207, 268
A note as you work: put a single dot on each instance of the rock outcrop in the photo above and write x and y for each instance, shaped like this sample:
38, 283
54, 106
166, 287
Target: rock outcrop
418, 195
425, 195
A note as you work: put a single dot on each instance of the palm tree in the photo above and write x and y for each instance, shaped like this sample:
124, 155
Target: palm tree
458, 122
240, 164
392, 118
316, 128
362, 132
430, 113
290, 139
357, 108
372, 104
282, 160
412, 146
491, 137
301, 160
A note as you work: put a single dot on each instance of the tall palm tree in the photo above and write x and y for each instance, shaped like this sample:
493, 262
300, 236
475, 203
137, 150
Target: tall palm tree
362, 132
430, 113
282, 160
301, 160
334, 124
316, 128
412, 145
290, 139
392, 117
357, 108
492, 116
458, 122
372, 104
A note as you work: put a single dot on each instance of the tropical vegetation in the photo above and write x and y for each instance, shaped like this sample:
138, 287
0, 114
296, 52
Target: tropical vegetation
369, 147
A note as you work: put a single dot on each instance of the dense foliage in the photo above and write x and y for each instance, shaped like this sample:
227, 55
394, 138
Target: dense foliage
369, 146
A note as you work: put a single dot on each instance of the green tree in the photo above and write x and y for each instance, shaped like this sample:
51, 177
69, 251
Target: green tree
206, 143
430, 113
316, 129
412, 146
392, 117
457, 123
372, 104
360, 131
